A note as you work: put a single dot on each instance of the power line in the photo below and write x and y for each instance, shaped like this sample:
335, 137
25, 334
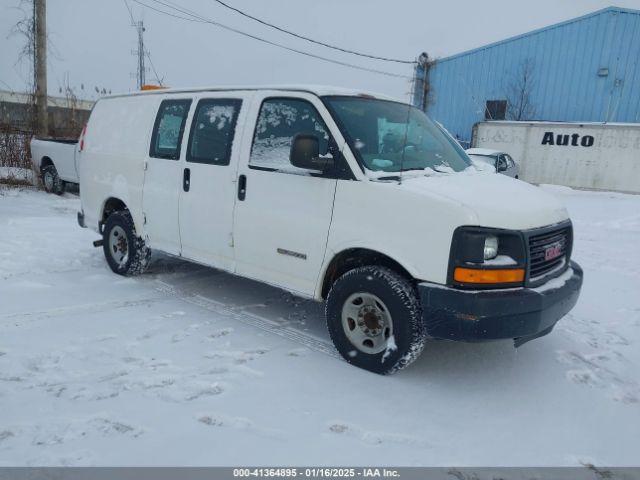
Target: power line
202, 19
130, 12
302, 37
168, 13
5, 83
153, 67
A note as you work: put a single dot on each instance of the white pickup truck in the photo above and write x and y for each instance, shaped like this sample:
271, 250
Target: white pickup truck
55, 160
335, 195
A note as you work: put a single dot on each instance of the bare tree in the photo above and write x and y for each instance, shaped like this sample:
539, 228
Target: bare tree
25, 29
71, 127
15, 134
519, 104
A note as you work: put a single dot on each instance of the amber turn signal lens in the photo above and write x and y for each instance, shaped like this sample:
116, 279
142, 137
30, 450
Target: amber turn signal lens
474, 275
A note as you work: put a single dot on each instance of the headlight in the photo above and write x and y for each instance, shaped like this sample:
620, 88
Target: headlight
490, 247
473, 252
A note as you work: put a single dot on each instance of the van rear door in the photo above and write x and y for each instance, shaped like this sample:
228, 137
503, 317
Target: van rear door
163, 176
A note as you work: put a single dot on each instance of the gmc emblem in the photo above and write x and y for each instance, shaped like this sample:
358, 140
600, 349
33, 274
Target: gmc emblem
553, 251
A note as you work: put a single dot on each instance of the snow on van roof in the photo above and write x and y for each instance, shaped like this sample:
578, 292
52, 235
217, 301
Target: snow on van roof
319, 90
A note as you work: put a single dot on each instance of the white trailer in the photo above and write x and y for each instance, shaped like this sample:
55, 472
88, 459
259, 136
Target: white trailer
599, 156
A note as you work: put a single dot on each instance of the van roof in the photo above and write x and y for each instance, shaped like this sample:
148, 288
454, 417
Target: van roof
319, 90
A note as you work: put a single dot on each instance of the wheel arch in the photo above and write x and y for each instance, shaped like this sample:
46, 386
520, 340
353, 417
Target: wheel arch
114, 203
45, 161
110, 205
351, 258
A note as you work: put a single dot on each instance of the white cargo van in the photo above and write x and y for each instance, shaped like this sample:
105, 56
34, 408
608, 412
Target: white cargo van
334, 195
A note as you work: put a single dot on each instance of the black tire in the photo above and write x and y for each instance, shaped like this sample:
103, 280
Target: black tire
399, 297
120, 227
51, 181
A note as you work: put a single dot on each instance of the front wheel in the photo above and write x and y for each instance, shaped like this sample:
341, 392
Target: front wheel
51, 181
375, 319
126, 253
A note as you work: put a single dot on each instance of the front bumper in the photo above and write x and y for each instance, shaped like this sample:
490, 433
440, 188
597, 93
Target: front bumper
519, 313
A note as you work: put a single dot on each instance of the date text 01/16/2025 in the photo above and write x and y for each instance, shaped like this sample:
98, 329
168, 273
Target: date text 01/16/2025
326, 472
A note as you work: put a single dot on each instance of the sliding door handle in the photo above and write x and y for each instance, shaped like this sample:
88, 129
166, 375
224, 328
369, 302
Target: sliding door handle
186, 179
242, 187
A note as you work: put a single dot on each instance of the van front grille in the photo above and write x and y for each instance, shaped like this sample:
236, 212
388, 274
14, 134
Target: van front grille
549, 252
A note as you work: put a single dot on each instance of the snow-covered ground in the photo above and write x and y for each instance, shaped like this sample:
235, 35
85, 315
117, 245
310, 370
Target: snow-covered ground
17, 174
189, 366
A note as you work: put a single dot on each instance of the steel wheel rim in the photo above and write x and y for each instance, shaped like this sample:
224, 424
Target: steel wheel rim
119, 245
48, 180
366, 322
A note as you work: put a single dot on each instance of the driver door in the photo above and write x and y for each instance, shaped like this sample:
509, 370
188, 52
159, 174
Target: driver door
283, 213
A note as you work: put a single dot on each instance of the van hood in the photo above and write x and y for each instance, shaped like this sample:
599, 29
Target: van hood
497, 201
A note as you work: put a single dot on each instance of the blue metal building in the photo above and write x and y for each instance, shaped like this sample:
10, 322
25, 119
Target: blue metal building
586, 70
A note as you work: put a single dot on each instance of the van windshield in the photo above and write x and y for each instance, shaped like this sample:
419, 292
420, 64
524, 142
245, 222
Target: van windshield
390, 136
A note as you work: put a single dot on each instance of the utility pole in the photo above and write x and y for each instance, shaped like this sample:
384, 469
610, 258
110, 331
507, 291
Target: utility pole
141, 53
421, 82
40, 66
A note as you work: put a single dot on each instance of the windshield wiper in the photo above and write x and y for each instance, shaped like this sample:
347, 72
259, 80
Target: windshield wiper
390, 177
442, 171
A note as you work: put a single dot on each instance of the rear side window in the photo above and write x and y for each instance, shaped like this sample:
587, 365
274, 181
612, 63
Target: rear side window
280, 120
212, 131
168, 129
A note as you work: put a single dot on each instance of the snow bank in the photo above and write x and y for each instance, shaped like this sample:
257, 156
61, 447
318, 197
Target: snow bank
17, 175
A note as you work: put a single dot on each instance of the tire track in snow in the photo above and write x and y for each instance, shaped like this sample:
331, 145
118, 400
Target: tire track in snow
248, 318
83, 308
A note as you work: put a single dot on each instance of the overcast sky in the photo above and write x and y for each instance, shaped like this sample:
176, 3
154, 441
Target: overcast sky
92, 40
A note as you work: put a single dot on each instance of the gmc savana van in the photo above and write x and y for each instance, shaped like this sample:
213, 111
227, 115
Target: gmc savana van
351, 198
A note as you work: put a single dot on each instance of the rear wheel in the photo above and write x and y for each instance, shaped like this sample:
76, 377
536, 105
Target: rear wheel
375, 319
126, 253
51, 181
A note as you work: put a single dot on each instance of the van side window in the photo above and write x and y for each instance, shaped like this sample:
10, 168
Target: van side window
280, 120
212, 131
168, 129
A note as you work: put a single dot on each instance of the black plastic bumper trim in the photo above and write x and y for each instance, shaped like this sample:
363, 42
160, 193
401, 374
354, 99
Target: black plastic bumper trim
479, 315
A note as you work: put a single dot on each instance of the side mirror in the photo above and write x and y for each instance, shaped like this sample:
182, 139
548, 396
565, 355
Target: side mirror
305, 153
